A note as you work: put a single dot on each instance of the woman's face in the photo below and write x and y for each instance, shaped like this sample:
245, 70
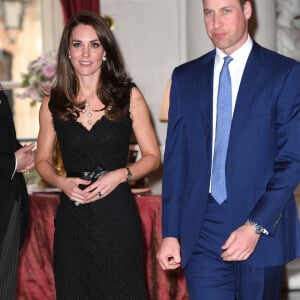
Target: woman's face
86, 51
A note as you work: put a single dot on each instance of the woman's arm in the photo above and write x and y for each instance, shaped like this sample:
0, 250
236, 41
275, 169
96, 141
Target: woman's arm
45, 146
44, 157
145, 136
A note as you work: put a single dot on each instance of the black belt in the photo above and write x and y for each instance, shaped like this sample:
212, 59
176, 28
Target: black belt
89, 175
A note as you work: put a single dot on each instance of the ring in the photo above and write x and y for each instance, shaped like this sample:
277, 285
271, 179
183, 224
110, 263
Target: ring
100, 194
77, 203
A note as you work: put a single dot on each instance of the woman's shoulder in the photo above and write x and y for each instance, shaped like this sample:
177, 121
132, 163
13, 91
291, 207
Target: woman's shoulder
138, 106
136, 96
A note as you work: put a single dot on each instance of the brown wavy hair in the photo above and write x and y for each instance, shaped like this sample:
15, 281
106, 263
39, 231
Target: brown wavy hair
114, 85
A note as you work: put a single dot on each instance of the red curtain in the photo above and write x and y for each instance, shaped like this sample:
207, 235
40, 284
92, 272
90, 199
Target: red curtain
71, 7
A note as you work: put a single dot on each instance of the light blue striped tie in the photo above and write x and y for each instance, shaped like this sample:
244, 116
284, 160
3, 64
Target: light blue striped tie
223, 124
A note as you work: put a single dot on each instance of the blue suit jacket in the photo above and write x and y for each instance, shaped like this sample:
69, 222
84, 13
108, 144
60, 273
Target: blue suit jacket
263, 159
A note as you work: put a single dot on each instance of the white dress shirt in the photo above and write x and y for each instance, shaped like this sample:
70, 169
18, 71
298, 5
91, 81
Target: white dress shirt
236, 69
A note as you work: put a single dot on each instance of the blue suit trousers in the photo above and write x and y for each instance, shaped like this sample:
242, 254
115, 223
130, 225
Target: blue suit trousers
209, 277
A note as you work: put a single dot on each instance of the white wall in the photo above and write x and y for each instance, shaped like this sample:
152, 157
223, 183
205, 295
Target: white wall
52, 26
152, 38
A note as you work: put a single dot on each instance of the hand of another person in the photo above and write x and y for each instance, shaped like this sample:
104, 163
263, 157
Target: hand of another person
240, 244
25, 158
104, 185
168, 255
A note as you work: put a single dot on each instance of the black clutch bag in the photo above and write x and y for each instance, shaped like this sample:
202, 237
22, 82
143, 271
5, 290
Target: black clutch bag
92, 176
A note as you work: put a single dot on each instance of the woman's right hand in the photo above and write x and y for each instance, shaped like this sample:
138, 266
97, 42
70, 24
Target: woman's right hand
70, 186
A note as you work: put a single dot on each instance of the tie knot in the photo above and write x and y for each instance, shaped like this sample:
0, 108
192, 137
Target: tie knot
227, 60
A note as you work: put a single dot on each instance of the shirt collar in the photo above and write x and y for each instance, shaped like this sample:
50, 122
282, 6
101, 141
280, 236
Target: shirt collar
240, 54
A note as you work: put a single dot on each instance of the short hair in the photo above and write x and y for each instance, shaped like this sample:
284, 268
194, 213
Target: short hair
242, 2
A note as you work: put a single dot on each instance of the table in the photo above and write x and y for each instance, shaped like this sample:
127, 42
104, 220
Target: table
36, 280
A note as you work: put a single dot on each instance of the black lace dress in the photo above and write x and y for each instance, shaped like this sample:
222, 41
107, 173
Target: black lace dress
98, 247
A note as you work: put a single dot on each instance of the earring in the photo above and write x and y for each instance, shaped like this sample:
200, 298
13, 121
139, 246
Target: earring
69, 56
104, 58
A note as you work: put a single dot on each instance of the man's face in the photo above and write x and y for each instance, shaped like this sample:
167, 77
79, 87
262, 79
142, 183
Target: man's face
227, 23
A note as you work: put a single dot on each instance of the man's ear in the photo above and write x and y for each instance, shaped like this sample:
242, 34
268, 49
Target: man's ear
248, 10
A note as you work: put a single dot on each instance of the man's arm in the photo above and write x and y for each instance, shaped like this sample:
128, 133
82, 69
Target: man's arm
286, 176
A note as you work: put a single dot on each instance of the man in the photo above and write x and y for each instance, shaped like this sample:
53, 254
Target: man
14, 160
231, 220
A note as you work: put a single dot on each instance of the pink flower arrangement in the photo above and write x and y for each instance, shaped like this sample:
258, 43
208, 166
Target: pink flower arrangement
41, 74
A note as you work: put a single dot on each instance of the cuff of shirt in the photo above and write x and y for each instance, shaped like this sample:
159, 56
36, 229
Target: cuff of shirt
16, 165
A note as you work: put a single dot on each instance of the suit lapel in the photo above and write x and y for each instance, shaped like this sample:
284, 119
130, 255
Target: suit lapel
205, 94
206, 100
200, 112
196, 92
246, 94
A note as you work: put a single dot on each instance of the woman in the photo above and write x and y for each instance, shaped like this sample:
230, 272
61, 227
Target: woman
92, 110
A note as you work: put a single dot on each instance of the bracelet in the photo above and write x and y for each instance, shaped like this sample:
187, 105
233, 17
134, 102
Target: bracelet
129, 174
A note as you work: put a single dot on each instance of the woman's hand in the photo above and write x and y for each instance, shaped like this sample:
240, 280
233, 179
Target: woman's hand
104, 185
70, 186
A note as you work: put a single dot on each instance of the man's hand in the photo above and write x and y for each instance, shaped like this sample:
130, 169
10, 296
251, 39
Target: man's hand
240, 244
168, 255
25, 158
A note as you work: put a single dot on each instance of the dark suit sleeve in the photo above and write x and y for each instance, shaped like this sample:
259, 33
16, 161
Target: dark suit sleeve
7, 164
8, 138
11, 189
286, 174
